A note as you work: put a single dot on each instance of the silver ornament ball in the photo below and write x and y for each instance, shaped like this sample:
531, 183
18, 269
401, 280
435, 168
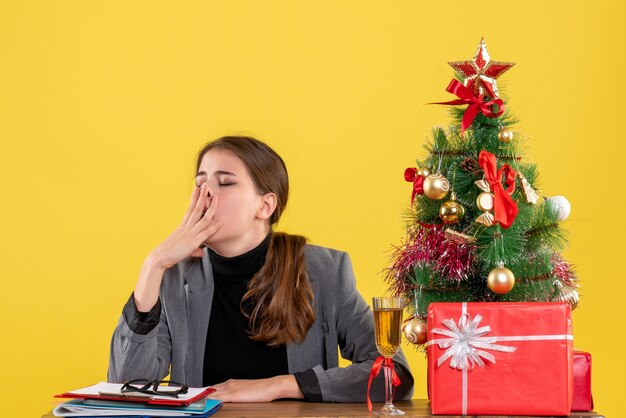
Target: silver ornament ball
561, 206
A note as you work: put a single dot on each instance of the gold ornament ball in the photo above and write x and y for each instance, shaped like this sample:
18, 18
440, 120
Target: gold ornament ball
501, 280
451, 211
416, 331
436, 186
505, 135
423, 172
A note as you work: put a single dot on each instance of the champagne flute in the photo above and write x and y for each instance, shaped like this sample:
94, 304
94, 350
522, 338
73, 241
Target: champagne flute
388, 329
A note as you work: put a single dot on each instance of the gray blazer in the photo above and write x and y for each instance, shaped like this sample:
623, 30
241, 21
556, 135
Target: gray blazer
343, 320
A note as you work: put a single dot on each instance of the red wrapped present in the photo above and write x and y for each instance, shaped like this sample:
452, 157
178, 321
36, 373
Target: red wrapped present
582, 399
500, 358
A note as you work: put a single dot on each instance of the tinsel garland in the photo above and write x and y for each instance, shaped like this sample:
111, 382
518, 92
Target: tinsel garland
563, 270
427, 245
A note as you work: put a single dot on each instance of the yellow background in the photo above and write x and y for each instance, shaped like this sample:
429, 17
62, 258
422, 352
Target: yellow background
104, 104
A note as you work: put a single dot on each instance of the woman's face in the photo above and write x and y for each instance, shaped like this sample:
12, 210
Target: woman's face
240, 208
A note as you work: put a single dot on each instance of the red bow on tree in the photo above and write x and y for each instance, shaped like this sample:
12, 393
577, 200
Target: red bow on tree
410, 175
504, 208
476, 104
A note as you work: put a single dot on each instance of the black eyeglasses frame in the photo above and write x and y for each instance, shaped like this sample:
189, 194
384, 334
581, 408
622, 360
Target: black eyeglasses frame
151, 387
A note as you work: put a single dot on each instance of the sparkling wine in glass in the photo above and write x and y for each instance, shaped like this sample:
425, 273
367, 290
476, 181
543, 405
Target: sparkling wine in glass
388, 330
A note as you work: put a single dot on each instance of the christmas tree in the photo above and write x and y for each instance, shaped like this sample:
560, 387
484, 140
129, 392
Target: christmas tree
478, 227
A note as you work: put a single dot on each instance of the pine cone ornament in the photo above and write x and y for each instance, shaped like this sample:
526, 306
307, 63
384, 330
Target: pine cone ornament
470, 165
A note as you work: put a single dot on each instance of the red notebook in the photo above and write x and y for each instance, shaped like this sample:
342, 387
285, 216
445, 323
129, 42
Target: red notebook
111, 392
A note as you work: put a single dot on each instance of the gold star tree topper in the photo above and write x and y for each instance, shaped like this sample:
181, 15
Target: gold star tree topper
480, 73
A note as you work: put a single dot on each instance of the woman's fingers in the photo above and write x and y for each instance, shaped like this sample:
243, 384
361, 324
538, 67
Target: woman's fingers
208, 215
258, 390
198, 225
212, 229
198, 208
204, 235
194, 198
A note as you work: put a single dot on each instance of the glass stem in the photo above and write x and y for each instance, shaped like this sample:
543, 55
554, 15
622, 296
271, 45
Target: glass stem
389, 389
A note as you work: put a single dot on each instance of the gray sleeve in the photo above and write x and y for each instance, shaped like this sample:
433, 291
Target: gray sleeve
137, 355
355, 333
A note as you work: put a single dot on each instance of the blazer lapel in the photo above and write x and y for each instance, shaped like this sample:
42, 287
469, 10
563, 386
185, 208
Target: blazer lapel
199, 288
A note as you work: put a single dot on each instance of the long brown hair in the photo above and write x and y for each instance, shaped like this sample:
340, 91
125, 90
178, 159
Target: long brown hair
280, 292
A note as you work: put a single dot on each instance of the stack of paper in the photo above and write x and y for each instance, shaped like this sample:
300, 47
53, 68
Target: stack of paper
107, 400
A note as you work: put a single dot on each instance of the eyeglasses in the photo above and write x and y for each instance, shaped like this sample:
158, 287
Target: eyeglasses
153, 387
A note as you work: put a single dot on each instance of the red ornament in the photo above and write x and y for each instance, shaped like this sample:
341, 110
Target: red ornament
480, 73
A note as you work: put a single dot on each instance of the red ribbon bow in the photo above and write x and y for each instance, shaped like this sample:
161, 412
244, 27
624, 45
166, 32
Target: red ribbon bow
378, 363
410, 175
505, 208
476, 104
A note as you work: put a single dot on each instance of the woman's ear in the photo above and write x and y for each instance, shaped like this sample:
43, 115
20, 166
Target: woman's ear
268, 206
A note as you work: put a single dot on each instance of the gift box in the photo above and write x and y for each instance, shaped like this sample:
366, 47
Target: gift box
500, 358
582, 399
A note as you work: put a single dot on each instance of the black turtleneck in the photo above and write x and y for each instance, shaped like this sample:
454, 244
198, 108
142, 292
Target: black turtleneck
230, 353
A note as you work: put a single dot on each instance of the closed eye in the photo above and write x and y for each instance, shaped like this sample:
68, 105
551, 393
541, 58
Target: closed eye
227, 184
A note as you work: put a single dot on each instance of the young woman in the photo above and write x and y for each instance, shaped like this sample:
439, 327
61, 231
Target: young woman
258, 314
